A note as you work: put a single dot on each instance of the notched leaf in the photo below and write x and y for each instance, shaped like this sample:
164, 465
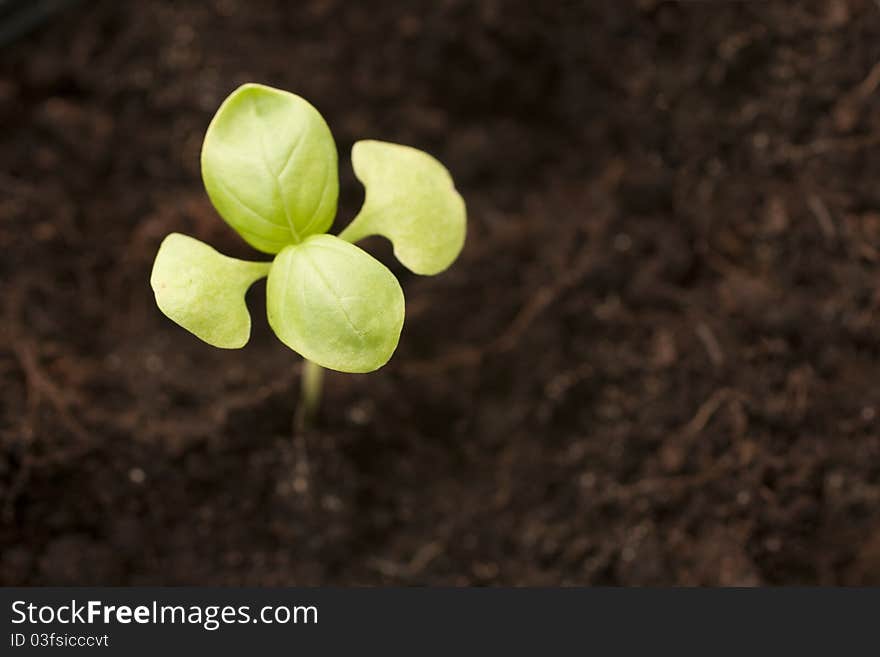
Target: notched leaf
203, 290
411, 200
269, 165
335, 304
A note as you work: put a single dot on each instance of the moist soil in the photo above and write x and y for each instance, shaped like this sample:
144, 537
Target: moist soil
657, 360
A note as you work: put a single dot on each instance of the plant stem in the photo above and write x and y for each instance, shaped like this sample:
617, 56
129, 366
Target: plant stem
310, 395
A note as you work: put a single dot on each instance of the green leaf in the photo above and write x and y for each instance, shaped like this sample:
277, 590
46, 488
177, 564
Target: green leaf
411, 200
269, 166
203, 290
335, 304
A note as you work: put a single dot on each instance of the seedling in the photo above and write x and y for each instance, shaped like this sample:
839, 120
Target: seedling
269, 165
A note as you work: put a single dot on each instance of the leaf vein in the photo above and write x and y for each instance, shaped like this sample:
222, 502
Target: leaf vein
247, 208
360, 333
277, 183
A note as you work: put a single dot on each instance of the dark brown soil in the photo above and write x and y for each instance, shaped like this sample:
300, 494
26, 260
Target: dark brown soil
657, 360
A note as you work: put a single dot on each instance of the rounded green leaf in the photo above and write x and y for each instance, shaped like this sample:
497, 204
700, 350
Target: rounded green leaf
335, 304
269, 166
203, 290
411, 200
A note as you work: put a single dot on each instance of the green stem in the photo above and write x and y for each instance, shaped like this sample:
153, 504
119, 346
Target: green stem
310, 394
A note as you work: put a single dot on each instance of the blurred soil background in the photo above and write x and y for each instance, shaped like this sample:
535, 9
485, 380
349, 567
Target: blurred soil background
656, 362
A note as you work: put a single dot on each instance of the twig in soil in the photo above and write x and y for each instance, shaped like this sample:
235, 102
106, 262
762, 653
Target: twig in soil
677, 484
217, 415
846, 110
710, 342
40, 386
420, 560
869, 85
823, 216
708, 409
797, 153
510, 336
557, 388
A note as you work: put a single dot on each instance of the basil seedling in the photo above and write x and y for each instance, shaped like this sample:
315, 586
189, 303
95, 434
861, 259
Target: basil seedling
269, 165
